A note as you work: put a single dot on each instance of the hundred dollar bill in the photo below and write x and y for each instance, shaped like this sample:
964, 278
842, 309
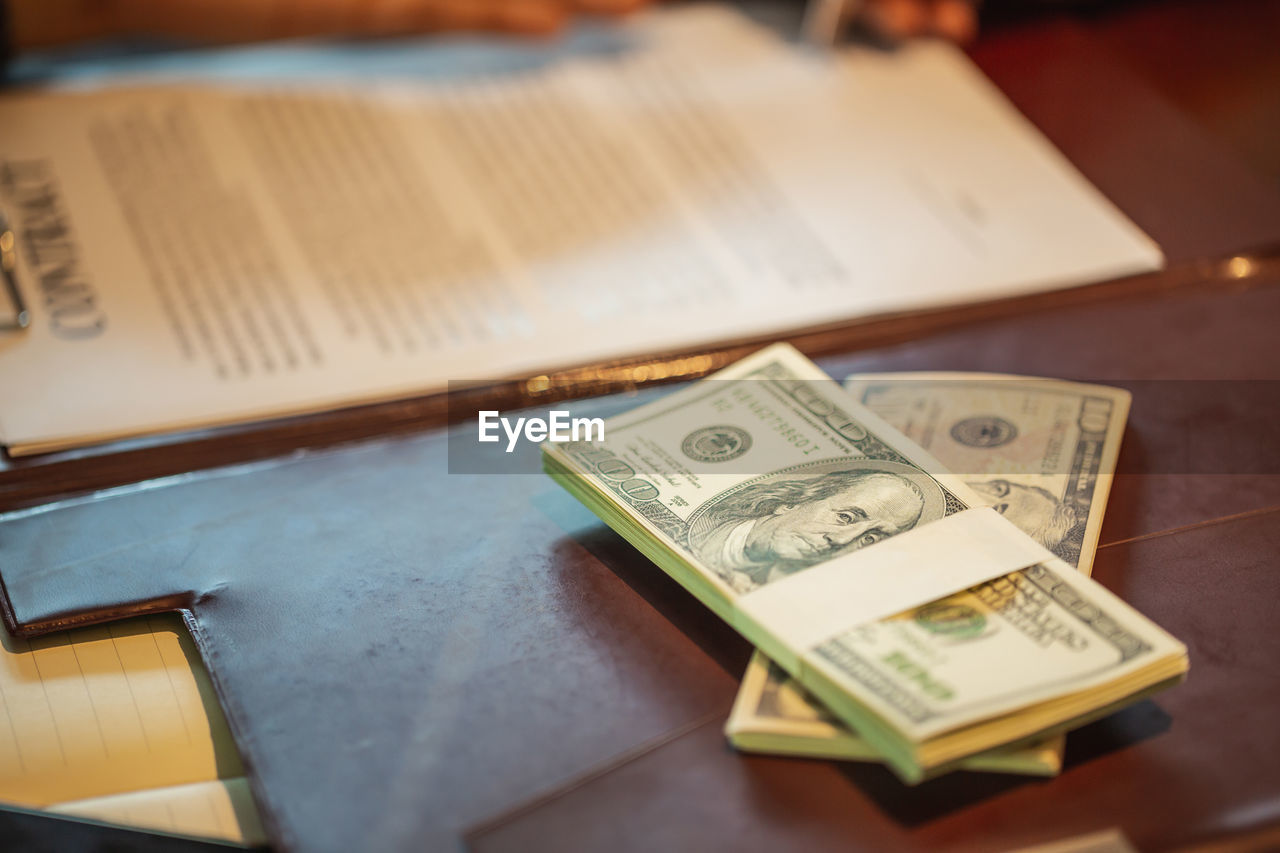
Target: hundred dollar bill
1041, 451
807, 522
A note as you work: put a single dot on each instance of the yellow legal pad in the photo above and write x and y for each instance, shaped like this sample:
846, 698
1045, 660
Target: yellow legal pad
119, 723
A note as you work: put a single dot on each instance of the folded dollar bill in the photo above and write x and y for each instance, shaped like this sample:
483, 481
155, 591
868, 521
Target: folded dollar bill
1041, 451
862, 567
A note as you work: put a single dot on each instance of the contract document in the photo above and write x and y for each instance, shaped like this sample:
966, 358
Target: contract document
195, 255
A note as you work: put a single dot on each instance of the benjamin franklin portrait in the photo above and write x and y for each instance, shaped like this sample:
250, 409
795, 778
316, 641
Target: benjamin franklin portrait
1038, 513
776, 525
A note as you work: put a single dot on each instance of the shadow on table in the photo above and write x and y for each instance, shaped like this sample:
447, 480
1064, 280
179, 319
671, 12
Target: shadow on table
937, 798
728, 649
1111, 734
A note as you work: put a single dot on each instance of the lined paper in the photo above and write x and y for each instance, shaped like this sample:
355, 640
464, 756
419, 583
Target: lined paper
222, 809
123, 708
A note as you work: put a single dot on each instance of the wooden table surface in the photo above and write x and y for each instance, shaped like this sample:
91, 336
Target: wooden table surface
1173, 110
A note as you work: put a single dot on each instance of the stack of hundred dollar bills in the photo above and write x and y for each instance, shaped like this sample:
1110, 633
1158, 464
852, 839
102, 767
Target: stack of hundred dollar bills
902, 614
1041, 451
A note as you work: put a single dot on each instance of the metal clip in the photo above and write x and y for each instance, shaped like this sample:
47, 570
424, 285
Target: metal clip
9, 265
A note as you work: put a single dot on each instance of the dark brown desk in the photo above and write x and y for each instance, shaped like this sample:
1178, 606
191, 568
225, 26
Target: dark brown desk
1193, 548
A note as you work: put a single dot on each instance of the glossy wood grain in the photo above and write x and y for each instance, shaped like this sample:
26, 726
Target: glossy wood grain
600, 727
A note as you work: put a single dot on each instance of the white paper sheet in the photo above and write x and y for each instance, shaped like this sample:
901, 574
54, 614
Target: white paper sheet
196, 256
